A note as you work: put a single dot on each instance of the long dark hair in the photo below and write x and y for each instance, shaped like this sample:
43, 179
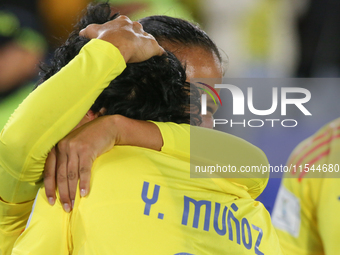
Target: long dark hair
178, 31
155, 89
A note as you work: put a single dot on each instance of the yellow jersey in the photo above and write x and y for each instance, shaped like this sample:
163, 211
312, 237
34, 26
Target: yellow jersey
144, 202
30, 134
306, 211
141, 201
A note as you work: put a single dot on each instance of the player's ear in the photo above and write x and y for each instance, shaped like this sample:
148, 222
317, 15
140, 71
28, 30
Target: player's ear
92, 115
102, 111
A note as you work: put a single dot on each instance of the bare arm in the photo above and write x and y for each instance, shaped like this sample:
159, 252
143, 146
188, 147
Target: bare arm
102, 134
78, 150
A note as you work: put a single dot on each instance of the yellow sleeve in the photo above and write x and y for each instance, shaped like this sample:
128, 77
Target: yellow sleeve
49, 113
211, 147
294, 217
47, 231
46, 116
13, 218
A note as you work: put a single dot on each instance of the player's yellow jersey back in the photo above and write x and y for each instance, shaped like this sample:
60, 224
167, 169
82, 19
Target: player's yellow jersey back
144, 202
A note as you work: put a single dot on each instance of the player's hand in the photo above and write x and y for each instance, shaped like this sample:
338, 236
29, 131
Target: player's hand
72, 158
129, 37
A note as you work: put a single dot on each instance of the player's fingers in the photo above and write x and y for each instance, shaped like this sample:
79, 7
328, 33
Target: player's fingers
122, 20
72, 176
49, 176
137, 27
91, 31
85, 165
159, 49
62, 180
94, 30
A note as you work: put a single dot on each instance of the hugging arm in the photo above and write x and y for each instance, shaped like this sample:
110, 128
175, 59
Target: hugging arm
48, 114
95, 138
77, 151
45, 117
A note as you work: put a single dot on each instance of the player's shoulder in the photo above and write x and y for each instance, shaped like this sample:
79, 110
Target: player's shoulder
323, 138
315, 151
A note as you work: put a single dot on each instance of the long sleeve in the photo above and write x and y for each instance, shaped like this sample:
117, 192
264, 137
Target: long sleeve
13, 218
49, 113
46, 116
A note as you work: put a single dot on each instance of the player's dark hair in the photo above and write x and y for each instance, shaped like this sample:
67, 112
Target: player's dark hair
151, 90
178, 31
